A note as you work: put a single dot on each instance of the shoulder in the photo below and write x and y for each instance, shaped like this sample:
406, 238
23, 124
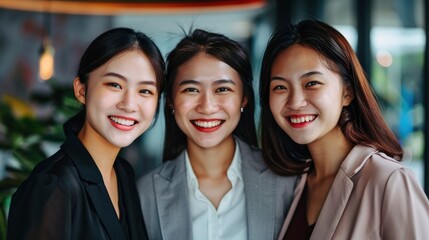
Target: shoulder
383, 165
169, 171
251, 156
253, 161
376, 168
53, 181
56, 170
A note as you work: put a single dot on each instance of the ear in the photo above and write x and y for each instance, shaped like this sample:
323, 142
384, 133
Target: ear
244, 102
79, 90
348, 96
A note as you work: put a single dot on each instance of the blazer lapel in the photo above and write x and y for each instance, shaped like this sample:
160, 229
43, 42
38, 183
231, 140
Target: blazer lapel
171, 192
296, 197
259, 187
333, 207
103, 207
132, 211
94, 186
339, 194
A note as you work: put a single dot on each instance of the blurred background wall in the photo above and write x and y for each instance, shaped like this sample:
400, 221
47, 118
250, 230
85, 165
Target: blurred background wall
388, 35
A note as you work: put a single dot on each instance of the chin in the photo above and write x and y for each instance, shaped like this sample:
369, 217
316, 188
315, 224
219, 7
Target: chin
122, 144
301, 141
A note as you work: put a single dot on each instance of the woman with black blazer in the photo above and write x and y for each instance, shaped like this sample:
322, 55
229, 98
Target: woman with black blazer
85, 191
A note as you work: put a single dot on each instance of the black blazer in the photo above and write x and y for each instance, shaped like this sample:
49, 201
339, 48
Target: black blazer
65, 198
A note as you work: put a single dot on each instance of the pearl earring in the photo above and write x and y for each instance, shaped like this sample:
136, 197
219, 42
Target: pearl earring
173, 111
241, 109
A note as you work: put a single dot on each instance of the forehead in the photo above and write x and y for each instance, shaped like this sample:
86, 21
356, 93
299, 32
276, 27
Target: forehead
298, 58
206, 68
132, 65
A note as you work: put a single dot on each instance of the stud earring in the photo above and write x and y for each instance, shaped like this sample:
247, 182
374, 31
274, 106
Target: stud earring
173, 111
241, 109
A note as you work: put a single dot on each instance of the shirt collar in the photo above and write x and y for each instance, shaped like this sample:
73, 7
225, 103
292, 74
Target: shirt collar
234, 170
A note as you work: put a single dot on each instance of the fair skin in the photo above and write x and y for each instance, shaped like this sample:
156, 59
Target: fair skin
306, 100
207, 97
121, 99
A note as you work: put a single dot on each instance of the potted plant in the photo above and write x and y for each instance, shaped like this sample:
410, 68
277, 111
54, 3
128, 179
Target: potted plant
22, 138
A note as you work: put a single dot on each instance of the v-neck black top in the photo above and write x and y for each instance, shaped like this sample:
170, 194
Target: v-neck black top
65, 198
298, 228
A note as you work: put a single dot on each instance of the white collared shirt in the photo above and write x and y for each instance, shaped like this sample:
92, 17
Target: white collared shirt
229, 221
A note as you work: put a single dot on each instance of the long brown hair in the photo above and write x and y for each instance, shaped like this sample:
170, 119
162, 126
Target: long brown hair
361, 122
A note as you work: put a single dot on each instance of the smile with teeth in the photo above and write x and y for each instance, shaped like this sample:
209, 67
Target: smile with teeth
303, 119
122, 121
207, 124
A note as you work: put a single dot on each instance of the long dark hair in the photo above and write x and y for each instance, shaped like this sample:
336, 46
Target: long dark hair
361, 122
227, 51
116, 41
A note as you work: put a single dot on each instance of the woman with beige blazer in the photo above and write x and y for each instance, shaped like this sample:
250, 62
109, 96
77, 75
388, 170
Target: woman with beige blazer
321, 120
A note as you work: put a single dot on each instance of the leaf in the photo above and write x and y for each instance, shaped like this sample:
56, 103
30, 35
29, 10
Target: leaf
9, 183
3, 220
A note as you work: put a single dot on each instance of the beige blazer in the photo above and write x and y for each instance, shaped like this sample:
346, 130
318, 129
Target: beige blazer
372, 197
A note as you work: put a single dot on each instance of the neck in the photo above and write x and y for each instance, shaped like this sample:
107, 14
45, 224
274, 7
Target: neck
329, 153
101, 151
211, 162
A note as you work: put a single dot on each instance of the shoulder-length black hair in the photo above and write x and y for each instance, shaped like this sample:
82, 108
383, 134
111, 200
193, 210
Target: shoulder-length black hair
361, 122
227, 51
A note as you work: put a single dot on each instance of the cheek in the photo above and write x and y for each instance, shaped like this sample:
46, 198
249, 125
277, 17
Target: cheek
276, 104
149, 106
182, 105
232, 103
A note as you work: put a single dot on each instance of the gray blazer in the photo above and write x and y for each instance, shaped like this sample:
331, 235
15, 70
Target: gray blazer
165, 204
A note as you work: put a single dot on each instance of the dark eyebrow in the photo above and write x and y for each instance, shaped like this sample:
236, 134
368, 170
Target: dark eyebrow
277, 78
217, 82
112, 74
184, 82
308, 74
223, 81
311, 73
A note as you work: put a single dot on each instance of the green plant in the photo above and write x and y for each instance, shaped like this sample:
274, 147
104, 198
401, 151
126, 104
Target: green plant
22, 135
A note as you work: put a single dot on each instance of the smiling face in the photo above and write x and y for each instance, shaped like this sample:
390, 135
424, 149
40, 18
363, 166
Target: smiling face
306, 98
207, 97
120, 98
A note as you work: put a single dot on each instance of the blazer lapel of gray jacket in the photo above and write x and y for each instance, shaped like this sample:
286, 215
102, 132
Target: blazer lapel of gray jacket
259, 189
171, 190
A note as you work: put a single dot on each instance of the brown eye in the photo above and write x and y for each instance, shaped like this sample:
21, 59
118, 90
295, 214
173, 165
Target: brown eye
115, 85
190, 90
223, 89
146, 92
279, 88
312, 83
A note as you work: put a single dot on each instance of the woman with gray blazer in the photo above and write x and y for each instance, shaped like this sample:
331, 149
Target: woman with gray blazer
213, 183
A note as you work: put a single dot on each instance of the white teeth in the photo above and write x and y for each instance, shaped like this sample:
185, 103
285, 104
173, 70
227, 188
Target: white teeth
122, 121
302, 119
205, 124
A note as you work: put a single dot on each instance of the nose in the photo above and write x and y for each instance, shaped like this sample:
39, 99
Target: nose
207, 104
296, 100
127, 102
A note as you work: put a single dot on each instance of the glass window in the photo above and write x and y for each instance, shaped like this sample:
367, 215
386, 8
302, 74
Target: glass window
397, 48
398, 45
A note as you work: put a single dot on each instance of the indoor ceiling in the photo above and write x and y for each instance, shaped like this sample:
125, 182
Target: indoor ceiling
114, 7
